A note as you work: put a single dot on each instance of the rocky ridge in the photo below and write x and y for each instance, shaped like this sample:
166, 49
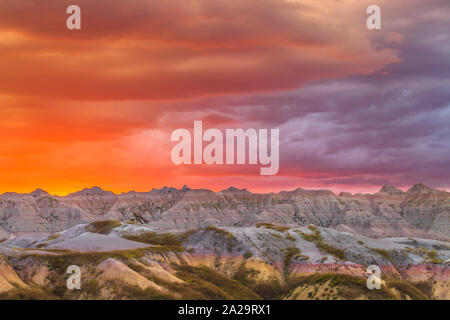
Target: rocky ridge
264, 261
419, 212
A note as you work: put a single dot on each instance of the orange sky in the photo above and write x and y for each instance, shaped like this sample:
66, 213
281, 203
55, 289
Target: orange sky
97, 106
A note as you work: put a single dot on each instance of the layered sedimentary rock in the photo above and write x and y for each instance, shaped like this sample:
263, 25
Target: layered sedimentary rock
421, 211
263, 261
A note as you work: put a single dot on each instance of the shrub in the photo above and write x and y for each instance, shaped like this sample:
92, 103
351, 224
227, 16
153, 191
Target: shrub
164, 239
136, 293
289, 254
272, 226
407, 289
382, 252
225, 233
214, 285
338, 253
61, 261
103, 227
276, 235
318, 241
53, 237
91, 287
230, 239
27, 294
191, 250
269, 290
290, 237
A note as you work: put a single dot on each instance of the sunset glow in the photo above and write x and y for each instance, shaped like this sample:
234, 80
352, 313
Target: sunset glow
356, 108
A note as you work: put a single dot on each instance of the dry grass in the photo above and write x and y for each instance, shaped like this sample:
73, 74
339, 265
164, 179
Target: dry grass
165, 239
213, 285
318, 241
61, 261
103, 227
272, 226
27, 294
53, 237
339, 286
382, 252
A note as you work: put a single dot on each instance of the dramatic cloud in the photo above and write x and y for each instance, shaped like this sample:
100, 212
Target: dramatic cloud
356, 108
180, 49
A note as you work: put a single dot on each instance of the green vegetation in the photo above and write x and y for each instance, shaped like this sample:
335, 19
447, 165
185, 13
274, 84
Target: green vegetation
290, 237
268, 290
60, 262
272, 226
103, 227
113, 289
208, 284
425, 286
276, 235
27, 294
205, 283
136, 293
165, 239
340, 286
4, 258
230, 239
53, 237
338, 253
190, 250
289, 254
91, 288
407, 289
382, 252
433, 257
225, 233
245, 275
430, 256
311, 237
176, 240
318, 241
349, 287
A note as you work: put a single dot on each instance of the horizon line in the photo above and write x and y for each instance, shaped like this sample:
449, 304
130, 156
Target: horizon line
404, 189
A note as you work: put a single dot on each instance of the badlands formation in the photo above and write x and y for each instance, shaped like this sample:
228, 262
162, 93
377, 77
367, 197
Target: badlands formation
199, 244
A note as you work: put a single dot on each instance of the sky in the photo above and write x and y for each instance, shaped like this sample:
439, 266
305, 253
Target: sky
356, 108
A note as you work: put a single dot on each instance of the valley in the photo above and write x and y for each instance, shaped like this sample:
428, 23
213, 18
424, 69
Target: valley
198, 244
